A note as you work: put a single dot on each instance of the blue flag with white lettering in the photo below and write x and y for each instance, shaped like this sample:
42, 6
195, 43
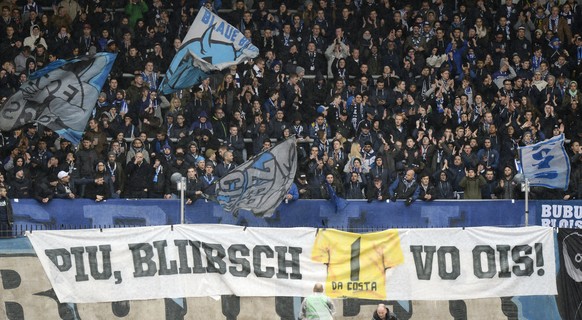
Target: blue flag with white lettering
61, 96
546, 163
210, 44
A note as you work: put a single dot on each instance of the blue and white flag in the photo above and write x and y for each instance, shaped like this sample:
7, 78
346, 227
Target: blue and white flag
546, 163
210, 44
260, 184
60, 96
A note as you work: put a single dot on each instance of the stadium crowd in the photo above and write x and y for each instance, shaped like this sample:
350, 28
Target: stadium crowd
412, 100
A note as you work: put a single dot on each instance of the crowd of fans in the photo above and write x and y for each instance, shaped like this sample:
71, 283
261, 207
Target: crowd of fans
388, 99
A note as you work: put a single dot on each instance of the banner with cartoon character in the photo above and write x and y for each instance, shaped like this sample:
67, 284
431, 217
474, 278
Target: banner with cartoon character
260, 184
210, 44
209, 260
60, 96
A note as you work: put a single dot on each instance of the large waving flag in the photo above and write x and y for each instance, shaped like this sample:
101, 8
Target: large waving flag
60, 96
260, 184
546, 163
210, 44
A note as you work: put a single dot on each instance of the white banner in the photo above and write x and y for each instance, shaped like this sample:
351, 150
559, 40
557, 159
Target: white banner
471, 263
209, 260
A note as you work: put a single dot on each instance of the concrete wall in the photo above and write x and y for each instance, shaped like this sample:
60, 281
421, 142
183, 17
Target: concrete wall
26, 293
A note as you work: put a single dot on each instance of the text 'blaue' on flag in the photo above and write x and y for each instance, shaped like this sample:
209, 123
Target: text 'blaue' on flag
546, 163
261, 183
60, 96
210, 44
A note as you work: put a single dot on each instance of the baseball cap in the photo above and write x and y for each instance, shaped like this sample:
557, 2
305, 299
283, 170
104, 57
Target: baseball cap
62, 174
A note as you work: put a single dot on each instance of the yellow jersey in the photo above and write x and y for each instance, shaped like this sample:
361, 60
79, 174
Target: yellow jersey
357, 263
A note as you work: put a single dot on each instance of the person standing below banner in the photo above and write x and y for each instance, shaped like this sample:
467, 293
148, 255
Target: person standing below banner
382, 313
6, 217
317, 306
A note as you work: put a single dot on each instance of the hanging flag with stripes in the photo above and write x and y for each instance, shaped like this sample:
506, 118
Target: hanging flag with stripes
60, 96
546, 163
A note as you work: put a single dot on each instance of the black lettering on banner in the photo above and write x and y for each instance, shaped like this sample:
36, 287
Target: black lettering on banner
28, 114
120, 308
216, 262
245, 265
164, 270
458, 309
71, 95
230, 306
183, 256
455, 261
196, 255
257, 252
139, 261
355, 260
503, 250
65, 258
525, 260
93, 265
53, 87
283, 264
478, 268
66, 310
176, 309
423, 270
13, 107
539, 258
11, 280
284, 307
79, 264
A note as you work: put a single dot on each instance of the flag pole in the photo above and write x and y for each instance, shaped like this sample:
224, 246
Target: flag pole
526, 202
182, 188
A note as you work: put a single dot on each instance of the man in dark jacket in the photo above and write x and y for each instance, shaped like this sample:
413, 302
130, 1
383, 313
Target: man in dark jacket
86, 158
46, 189
138, 177
226, 165
6, 215
427, 191
354, 187
444, 188
405, 187
20, 186
192, 192
378, 190
65, 187
86, 161
235, 143
304, 188
382, 313
160, 180
336, 186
